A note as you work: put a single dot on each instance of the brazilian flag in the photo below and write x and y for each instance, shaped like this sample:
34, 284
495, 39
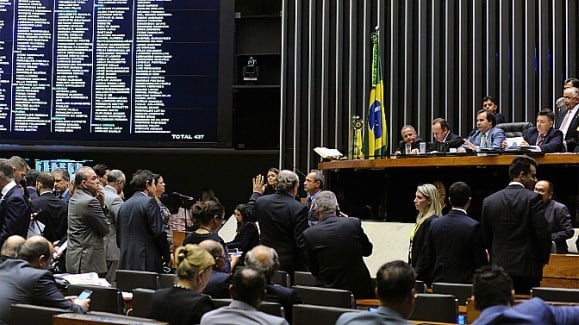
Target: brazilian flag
376, 136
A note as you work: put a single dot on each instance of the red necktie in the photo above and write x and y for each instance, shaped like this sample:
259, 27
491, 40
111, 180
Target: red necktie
540, 140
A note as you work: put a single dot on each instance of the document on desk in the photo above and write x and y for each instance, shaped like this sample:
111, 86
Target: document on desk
515, 141
86, 278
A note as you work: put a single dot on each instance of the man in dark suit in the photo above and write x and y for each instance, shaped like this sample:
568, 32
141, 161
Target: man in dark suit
493, 296
141, 233
454, 244
570, 118
219, 281
515, 231
490, 104
410, 139
28, 281
51, 211
14, 209
282, 221
266, 260
558, 217
336, 247
61, 184
544, 135
87, 225
444, 139
313, 185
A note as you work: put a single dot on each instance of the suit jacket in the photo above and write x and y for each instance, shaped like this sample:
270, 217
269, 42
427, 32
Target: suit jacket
287, 297
246, 239
14, 213
572, 135
495, 138
454, 249
113, 202
282, 221
179, 306
533, 311
553, 141
87, 225
21, 283
560, 225
240, 313
336, 247
53, 213
382, 316
417, 243
500, 117
195, 238
402, 146
141, 235
452, 141
218, 285
65, 196
515, 231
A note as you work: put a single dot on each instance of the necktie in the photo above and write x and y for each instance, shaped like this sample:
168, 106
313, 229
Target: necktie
540, 139
483, 140
567, 118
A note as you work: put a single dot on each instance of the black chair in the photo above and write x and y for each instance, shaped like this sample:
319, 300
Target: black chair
142, 299
435, 308
326, 297
318, 315
461, 291
166, 280
556, 294
514, 129
102, 299
420, 286
282, 278
127, 280
30, 314
268, 307
302, 278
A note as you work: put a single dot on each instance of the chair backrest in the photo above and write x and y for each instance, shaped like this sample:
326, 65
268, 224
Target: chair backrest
435, 308
304, 314
178, 238
282, 278
142, 299
127, 280
514, 129
302, 278
461, 291
420, 286
326, 297
102, 299
268, 307
166, 280
30, 314
556, 294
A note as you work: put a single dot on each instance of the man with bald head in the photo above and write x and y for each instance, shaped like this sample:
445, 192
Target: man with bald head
266, 260
28, 281
11, 247
219, 281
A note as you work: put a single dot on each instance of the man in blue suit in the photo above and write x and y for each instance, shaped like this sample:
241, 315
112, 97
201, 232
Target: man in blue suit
454, 243
487, 135
544, 135
494, 296
14, 210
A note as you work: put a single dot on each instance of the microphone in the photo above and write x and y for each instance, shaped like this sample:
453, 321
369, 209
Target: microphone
183, 196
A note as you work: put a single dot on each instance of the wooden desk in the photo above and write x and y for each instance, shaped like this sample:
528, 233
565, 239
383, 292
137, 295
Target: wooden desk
561, 272
383, 189
101, 318
441, 161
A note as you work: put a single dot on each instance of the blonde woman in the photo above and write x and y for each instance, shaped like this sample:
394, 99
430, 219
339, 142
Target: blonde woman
427, 203
184, 303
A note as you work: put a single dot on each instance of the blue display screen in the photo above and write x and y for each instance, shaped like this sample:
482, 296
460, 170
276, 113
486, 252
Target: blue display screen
102, 72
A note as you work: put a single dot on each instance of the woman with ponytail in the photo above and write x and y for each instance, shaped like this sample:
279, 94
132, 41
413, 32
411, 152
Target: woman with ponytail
184, 303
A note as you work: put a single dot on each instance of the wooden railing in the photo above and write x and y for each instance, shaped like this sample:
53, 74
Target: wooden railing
561, 272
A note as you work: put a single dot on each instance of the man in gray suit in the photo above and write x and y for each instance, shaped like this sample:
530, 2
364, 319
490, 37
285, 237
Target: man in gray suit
87, 225
114, 188
558, 217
